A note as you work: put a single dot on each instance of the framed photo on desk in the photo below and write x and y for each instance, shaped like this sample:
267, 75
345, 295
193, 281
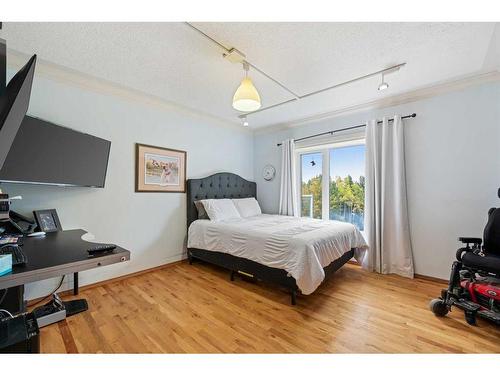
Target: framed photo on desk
47, 220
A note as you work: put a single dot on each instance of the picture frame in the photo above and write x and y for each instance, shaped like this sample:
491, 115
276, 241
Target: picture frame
47, 220
159, 169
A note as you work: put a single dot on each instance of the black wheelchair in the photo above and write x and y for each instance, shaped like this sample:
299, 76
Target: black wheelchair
474, 284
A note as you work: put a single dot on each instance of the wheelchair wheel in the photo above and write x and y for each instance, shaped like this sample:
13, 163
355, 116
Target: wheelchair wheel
438, 307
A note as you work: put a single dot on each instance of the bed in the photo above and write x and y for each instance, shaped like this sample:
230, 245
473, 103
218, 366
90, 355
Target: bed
295, 253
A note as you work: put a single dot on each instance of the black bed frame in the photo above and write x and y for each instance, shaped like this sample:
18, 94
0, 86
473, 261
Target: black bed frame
229, 185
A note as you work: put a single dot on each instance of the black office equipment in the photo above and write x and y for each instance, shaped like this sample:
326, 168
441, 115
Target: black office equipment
75, 306
50, 313
11, 221
19, 334
18, 256
57, 310
4, 206
45, 153
23, 224
17, 223
13, 105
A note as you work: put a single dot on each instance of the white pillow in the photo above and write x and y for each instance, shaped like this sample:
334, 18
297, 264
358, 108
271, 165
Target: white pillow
247, 207
220, 209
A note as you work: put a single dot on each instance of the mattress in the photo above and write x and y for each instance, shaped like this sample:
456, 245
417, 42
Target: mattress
301, 246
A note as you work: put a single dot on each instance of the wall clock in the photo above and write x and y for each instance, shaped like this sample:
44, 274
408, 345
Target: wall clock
269, 172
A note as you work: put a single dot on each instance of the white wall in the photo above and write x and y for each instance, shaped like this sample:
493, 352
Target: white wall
151, 225
453, 168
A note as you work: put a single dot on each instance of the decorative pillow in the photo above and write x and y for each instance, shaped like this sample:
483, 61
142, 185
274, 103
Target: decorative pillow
220, 209
247, 207
202, 214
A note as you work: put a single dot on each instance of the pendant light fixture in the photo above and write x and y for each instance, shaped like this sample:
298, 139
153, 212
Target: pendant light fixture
246, 98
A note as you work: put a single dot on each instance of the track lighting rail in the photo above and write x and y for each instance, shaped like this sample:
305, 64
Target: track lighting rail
227, 50
296, 96
382, 71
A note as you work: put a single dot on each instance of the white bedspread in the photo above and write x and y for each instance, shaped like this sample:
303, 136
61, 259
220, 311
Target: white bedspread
301, 246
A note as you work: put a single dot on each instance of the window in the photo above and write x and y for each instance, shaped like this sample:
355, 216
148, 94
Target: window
311, 185
332, 182
347, 185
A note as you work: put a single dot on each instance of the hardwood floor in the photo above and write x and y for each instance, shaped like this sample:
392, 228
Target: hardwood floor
196, 309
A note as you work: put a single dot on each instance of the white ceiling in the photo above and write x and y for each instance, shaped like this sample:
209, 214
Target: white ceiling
175, 63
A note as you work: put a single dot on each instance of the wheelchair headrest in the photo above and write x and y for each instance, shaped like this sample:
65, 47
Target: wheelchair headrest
491, 234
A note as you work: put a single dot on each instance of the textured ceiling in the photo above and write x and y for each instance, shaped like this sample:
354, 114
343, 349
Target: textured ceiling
175, 63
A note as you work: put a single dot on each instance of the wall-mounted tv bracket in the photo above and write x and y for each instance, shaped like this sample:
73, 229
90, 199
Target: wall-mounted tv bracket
3, 64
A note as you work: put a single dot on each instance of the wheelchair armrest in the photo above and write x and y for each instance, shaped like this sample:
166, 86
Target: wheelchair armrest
470, 240
461, 252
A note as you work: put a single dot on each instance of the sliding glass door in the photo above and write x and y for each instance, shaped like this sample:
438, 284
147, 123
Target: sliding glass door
311, 191
332, 181
347, 184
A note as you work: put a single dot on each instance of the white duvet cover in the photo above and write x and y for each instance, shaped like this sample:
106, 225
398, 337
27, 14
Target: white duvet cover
301, 246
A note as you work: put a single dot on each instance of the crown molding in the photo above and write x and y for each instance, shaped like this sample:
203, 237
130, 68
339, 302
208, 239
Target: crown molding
61, 74
391, 101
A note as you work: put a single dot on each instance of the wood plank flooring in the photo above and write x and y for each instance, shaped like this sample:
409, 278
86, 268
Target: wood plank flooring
197, 309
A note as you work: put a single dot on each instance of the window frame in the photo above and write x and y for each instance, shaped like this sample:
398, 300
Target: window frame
324, 149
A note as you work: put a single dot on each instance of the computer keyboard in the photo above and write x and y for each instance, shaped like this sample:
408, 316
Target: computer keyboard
18, 256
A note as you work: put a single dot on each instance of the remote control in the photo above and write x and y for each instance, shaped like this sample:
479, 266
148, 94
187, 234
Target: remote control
101, 248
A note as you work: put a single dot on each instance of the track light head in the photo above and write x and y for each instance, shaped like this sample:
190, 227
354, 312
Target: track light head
383, 85
245, 121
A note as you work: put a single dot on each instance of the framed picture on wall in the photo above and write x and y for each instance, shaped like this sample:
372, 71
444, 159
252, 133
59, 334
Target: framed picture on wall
159, 169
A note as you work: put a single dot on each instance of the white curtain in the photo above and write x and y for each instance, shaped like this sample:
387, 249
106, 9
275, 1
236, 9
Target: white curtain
386, 212
288, 192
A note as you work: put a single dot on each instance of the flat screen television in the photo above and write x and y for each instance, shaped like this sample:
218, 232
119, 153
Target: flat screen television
45, 153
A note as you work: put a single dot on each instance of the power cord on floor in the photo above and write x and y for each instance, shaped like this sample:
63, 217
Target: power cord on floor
33, 303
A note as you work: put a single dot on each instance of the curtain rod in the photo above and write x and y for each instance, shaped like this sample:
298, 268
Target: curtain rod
331, 132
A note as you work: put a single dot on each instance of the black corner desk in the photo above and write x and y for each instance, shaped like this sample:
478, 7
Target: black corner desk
55, 254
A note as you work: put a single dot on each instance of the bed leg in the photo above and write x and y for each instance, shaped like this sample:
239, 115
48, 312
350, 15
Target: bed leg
232, 275
190, 259
293, 294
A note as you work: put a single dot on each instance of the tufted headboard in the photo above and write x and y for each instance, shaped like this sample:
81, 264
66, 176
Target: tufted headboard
217, 186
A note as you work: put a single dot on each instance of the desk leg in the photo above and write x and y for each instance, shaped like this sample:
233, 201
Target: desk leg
75, 283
